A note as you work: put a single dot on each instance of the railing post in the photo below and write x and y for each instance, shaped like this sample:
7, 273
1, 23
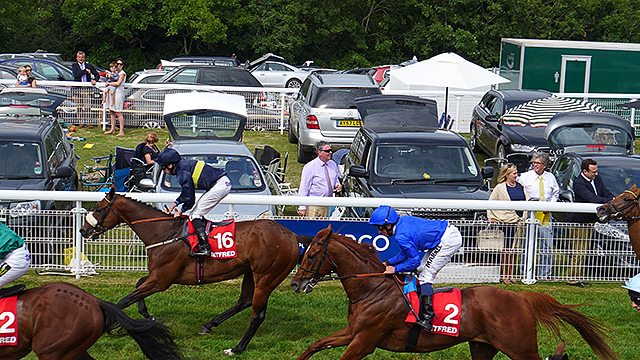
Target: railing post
530, 251
78, 243
281, 113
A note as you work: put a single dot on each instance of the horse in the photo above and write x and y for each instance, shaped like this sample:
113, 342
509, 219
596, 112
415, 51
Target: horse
60, 321
267, 252
624, 207
491, 320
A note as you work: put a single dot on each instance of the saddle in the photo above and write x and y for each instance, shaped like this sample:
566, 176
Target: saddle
12, 291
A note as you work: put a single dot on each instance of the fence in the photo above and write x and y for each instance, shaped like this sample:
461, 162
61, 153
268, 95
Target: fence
599, 252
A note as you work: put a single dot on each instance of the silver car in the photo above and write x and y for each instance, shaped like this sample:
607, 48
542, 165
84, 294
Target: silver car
325, 109
208, 127
278, 74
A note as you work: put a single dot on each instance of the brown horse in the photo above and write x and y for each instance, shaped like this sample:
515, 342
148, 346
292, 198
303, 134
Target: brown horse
60, 321
491, 320
266, 253
624, 207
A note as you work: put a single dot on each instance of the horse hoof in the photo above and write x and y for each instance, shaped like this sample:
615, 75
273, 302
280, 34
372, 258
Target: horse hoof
228, 352
204, 330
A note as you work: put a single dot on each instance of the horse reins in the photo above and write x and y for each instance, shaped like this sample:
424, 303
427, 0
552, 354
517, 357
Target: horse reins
628, 207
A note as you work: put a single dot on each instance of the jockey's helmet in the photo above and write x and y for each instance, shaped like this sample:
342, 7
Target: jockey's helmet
168, 156
384, 215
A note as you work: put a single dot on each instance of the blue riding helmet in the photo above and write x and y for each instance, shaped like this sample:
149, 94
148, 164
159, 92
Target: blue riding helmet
633, 284
383, 215
168, 156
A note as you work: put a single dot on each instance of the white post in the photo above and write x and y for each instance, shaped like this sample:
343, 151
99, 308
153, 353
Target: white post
281, 113
78, 212
530, 253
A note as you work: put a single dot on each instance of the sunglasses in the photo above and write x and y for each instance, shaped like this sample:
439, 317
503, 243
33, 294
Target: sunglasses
120, 64
327, 151
635, 299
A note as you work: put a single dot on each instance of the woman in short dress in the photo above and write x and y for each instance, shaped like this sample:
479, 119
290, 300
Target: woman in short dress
116, 109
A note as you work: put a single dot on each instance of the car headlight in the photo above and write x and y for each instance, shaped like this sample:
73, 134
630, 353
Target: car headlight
24, 208
522, 148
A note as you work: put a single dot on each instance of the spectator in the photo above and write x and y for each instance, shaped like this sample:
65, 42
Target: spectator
14, 256
84, 72
588, 187
148, 151
109, 91
633, 285
508, 189
116, 109
541, 185
22, 79
30, 77
319, 178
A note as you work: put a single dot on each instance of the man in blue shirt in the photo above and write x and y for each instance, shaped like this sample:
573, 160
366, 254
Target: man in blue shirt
192, 175
437, 238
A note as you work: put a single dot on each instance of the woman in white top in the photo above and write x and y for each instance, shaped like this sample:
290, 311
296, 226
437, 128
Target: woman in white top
116, 109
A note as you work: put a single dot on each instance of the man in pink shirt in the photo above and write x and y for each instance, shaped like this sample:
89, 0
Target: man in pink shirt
319, 178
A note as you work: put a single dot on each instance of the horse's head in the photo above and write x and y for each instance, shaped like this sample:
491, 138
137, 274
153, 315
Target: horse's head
315, 264
103, 218
622, 207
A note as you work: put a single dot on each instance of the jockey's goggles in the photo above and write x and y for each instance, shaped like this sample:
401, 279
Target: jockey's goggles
635, 299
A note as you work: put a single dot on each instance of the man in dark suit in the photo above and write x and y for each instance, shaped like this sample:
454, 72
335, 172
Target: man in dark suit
588, 187
84, 72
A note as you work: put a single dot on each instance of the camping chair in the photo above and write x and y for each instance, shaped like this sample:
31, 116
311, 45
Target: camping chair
122, 167
265, 155
97, 177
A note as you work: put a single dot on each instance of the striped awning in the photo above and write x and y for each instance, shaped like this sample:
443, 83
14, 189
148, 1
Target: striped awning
537, 113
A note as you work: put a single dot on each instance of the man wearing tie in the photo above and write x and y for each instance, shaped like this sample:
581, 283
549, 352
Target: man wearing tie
541, 185
588, 187
84, 72
319, 178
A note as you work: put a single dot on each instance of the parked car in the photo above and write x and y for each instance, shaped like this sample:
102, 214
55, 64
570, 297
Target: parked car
401, 152
609, 140
52, 70
10, 72
146, 76
47, 55
325, 109
279, 74
208, 127
489, 134
36, 155
210, 75
208, 60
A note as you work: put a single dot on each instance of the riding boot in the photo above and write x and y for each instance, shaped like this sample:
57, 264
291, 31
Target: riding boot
426, 313
203, 242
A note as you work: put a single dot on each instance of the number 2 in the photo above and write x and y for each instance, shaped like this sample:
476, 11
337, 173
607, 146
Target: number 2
450, 318
11, 318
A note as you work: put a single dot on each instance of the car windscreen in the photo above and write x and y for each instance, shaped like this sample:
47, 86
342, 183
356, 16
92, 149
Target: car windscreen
591, 135
241, 170
20, 160
47, 103
206, 125
340, 98
619, 174
424, 161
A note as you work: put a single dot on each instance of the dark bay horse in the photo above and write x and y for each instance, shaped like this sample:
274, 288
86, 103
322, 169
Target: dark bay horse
492, 319
624, 207
60, 321
266, 254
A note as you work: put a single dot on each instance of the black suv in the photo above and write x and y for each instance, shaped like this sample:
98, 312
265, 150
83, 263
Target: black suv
36, 155
401, 152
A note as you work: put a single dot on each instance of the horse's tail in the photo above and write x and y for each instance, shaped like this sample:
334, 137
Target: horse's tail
549, 312
155, 339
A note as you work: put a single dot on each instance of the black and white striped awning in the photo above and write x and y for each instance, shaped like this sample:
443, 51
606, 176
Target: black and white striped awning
537, 113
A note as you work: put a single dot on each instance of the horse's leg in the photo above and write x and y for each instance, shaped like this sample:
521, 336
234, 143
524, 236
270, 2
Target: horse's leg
158, 280
142, 306
363, 344
246, 295
482, 351
339, 338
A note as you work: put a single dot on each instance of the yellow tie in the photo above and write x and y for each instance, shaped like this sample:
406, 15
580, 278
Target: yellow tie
540, 215
541, 188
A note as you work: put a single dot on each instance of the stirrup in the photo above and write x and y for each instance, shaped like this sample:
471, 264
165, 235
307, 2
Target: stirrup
206, 252
424, 325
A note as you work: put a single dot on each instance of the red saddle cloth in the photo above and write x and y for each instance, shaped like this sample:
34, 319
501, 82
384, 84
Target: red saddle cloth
447, 307
8, 321
222, 239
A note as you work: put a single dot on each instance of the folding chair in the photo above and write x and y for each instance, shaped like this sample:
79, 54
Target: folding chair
122, 167
265, 155
97, 177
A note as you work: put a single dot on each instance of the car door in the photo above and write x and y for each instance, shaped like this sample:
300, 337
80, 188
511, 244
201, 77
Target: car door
262, 74
278, 74
297, 107
359, 154
491, 132
480, 112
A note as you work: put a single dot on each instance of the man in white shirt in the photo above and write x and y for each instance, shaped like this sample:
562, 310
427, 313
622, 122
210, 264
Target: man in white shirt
541, 185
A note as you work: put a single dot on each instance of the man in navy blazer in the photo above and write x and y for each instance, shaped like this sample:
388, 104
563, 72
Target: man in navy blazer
82, 71
588, 187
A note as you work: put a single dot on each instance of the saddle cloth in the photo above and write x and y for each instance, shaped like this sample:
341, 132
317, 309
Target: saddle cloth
8, 321
222, 238
446, 305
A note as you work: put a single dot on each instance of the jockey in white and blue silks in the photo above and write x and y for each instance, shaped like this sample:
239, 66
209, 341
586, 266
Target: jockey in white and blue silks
633, 285
437, 238
14, 255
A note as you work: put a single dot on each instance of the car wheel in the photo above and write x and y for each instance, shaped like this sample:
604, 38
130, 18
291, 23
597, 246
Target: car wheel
292, 136
501, 153
473, 140
303, 156
293, 83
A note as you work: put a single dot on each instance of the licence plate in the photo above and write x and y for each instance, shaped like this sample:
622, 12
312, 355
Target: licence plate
349, 123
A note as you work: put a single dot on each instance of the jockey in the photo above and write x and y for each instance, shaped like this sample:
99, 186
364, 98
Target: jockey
192, 175
14, 256
438, 238
633, 285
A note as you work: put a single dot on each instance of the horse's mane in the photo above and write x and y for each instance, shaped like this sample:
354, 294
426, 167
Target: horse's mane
363, 251
145, 205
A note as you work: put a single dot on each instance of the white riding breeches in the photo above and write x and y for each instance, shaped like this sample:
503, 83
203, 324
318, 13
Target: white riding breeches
16, 264
211, 198
435, 259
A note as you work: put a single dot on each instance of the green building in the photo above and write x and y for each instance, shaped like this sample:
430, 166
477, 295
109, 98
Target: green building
570, 66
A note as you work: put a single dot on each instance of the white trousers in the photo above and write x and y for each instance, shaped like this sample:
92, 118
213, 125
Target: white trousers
18, 262
435, 259
211, 198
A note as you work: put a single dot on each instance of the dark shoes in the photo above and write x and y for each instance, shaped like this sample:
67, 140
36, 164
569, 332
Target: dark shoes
580, 284
204, 248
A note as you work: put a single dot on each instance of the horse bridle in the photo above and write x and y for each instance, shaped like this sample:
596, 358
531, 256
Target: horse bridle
97, 224
628, 207
325, 254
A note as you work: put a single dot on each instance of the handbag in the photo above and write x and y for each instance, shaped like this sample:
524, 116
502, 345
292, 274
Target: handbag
490, 239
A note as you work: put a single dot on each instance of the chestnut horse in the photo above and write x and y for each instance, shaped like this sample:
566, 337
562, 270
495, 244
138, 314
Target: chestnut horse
491, 320
624, 207
266, 254
60, 321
